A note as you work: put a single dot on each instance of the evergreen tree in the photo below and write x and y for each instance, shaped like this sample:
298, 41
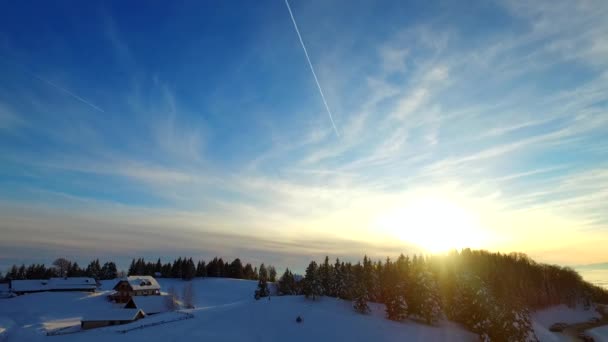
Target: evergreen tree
248, 272
272, 274
108, 271
235, 269
326, 277
132, 269
188, 269
312, 284
263, 272
201, 269
287, 283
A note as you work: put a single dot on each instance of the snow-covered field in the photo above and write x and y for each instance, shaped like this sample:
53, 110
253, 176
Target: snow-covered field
226, 311
542, 320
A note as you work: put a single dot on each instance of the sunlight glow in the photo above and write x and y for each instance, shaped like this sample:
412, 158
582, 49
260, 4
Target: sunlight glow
433, 223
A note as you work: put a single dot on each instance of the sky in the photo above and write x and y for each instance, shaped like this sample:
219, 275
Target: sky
198, 129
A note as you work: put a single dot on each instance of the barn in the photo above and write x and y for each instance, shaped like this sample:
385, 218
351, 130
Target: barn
110, 317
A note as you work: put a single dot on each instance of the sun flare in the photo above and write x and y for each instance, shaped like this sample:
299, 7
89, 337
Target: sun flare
433, 223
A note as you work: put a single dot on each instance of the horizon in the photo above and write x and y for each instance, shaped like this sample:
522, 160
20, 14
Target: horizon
219, 129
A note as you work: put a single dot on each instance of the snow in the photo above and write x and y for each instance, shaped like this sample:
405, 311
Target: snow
151, 304
143, 283
112, 315
543, 319
53, 284
599, 334
225, 311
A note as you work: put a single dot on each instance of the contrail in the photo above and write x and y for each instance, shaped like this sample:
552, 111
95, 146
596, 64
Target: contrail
314, 74
67, 92
56, 86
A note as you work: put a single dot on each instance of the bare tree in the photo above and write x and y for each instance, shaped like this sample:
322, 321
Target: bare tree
170, 299
188, 296
62, 265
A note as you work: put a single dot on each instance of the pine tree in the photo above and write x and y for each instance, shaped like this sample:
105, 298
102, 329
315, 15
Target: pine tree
272, 274
248, 272
287, 283
312, 285
235, 269
262, 290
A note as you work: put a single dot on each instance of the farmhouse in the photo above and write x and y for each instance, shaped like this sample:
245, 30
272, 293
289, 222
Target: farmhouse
110, 317
135, 286
150, 304
53, 284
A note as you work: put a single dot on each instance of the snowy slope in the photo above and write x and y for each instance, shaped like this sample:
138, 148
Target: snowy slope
543, 319
226, 311
600, 334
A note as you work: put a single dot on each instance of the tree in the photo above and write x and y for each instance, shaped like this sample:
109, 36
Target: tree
62, 265
201, 269
312, 285
287, 283
360, 304
188, 269
235, 269
263, 272
108, 271
272, 274
171, 299
188, 296
396, 305
248, 272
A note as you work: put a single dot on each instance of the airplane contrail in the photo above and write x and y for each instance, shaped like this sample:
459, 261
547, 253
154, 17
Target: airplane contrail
314, 74
66, 91
54, 85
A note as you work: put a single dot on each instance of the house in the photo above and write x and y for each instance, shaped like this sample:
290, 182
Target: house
149, 304
135, 286
110, 317
53, 284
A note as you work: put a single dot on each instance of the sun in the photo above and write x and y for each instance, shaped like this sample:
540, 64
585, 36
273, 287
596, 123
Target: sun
433, 223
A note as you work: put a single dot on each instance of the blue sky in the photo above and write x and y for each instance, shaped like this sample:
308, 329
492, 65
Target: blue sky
197, 128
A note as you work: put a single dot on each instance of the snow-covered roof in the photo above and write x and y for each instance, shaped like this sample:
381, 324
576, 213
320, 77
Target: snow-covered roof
151, 304
142, 283
112, 315
32, 285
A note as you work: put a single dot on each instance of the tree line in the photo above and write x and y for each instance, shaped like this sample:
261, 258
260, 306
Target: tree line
186, 269
492, 294
63, 268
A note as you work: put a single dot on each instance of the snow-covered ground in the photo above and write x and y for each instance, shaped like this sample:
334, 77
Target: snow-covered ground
226, 311
599, 334
543, 319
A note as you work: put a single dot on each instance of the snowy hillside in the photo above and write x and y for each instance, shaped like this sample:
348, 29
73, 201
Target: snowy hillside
225, 311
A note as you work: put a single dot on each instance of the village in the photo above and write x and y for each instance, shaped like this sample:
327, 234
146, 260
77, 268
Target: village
131, 298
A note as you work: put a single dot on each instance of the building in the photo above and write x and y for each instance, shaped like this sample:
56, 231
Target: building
110, 317
54, 284
135, 286
150, 304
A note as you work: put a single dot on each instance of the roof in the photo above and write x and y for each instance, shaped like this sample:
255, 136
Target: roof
151, 304
112, 315
32, 285
141, 283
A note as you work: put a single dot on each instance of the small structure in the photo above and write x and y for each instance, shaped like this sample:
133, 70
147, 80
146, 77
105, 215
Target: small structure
54, 284
110, 317
131, 286
150, 304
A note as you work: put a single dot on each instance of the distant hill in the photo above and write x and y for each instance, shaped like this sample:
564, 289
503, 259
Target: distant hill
599, 266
